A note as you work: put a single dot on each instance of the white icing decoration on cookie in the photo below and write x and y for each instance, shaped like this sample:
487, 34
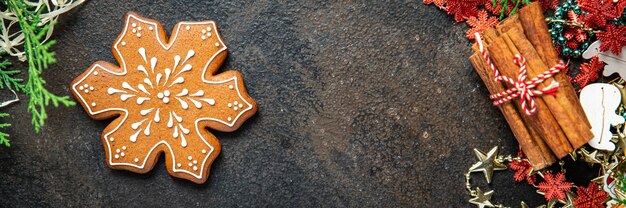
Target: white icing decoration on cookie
186, 131
183, 104
125, 97
142, 88
142, 52
170, 122
178, 80
140, 100
183, 92
178, 118
183, 141
158, 78
146, 111
113, 91
133, 138
208, 100
153, 62
186, 68
195, 103
199, 93
127, 86
147, 130
190, 54
148, 82
141, 68
137, 124
156, 116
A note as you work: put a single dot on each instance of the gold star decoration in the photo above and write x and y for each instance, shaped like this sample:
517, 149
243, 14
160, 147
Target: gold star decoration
482, 199
487, 163
590, 157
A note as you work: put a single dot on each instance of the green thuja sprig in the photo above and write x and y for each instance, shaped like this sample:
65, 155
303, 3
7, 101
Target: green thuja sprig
7, 80
4, 136
505, 6
38, 57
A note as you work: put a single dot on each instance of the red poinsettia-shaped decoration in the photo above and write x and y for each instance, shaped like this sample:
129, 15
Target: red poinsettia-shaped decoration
438, 3
598, 12
613, 38
522, 169
554, 186
590, 197
480, 24
589, 72
463, 9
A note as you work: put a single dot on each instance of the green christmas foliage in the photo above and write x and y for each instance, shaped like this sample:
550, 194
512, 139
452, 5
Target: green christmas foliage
38, 57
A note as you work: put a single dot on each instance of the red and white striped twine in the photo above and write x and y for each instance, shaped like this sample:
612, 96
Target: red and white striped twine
522, 88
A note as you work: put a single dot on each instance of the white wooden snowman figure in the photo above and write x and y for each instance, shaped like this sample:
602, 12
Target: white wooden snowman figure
599, 101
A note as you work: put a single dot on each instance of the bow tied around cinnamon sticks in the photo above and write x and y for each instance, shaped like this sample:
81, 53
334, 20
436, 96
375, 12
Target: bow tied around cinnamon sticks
546, 127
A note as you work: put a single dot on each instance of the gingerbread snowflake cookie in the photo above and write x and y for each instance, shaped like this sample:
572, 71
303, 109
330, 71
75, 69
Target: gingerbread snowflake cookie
164, 95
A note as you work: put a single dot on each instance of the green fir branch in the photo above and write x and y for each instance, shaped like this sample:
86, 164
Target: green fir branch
38, 57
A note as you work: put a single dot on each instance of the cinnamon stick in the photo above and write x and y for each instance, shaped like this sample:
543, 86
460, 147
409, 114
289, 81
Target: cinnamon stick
543, 121
490, 35
576, 130
536, 31
530, 142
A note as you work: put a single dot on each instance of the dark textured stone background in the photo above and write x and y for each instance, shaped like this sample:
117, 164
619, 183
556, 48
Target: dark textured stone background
361, 104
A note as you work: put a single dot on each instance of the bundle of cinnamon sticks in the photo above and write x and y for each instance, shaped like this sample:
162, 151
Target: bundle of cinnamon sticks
559, 126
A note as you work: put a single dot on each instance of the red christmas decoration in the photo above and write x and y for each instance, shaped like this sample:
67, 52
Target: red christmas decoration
522, 169
548, 4
613, 38
598, 12
554, 186
463, 9
590, 197
480, 23
589, 72
438, 3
